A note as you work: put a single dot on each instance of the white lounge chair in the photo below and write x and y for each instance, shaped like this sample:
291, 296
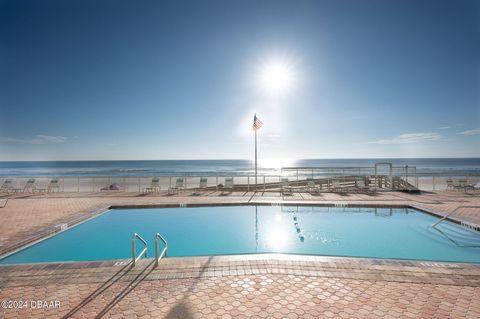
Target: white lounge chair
202, 185
462, 185
228, 187
286, 188
179, 185
7, 186
154, 186
53, 185
450, 184
30, 186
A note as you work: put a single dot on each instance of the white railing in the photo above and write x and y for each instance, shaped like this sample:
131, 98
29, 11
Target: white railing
158, 255
135, 257
89, 184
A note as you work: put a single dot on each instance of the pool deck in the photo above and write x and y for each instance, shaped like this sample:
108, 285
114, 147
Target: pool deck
241, 286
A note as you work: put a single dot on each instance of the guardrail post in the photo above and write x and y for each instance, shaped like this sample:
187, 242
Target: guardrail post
248, 183
144, 251
164, 251
133, 251
93, 184
433, 177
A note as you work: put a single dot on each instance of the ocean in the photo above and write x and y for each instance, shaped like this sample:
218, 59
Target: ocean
442, 166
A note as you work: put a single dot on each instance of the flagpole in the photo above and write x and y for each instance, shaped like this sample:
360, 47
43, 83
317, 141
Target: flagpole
255, 160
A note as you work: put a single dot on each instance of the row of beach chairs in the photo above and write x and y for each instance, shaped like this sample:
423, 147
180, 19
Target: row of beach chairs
460, 185
334, 185
30, 186
180, 186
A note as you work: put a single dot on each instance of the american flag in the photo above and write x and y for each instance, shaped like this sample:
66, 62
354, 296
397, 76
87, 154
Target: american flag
256, 123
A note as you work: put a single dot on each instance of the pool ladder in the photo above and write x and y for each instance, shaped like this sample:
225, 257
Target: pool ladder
448, 215
135, 257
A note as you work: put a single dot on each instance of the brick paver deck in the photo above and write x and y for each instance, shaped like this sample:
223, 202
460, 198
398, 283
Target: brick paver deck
265, 286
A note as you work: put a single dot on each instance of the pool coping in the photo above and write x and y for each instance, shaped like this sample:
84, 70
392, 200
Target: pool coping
173, 268
89, 214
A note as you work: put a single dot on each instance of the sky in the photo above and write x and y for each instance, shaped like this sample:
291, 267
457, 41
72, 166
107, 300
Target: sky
102, 80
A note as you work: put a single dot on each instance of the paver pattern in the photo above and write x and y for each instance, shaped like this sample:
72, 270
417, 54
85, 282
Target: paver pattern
253, 286
235, 286
258, 296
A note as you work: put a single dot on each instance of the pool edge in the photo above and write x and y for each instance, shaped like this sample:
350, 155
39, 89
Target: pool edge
96, 212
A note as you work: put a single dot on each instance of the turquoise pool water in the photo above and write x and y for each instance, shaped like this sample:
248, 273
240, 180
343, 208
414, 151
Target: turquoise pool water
363, 232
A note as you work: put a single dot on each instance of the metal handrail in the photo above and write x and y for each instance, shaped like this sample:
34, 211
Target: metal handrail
164, 251
144, 251
451, 213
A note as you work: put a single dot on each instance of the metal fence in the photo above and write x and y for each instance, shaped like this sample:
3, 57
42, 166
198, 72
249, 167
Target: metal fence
136, 183
427, 182
439, 182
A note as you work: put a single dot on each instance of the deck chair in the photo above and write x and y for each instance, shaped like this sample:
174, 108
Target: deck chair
450, 184
466, 185
462, 185
7, 186
179, 185
53, 185
202, 185
154, 186
228, 187
286, 188
311, 187
30, 186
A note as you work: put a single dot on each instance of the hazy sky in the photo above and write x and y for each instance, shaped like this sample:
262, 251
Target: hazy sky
120, 79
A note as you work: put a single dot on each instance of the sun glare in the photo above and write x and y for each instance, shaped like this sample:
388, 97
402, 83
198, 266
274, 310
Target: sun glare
277, 239
275, 162
276, 77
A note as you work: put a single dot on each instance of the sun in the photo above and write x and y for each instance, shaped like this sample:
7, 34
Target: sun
276, 77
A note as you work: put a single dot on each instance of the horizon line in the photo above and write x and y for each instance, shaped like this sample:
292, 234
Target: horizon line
236, 159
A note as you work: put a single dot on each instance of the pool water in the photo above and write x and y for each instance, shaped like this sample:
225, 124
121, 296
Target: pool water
362, 232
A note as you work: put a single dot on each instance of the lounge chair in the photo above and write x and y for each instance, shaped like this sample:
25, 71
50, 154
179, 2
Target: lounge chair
53, 185
201, 186
311, 187
466, 185
463, 185
154, 186
228, 187
7, 186
179, 185
30, 186
286, 188
450, 185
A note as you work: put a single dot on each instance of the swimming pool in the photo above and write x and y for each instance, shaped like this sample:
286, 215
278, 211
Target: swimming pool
403, 233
